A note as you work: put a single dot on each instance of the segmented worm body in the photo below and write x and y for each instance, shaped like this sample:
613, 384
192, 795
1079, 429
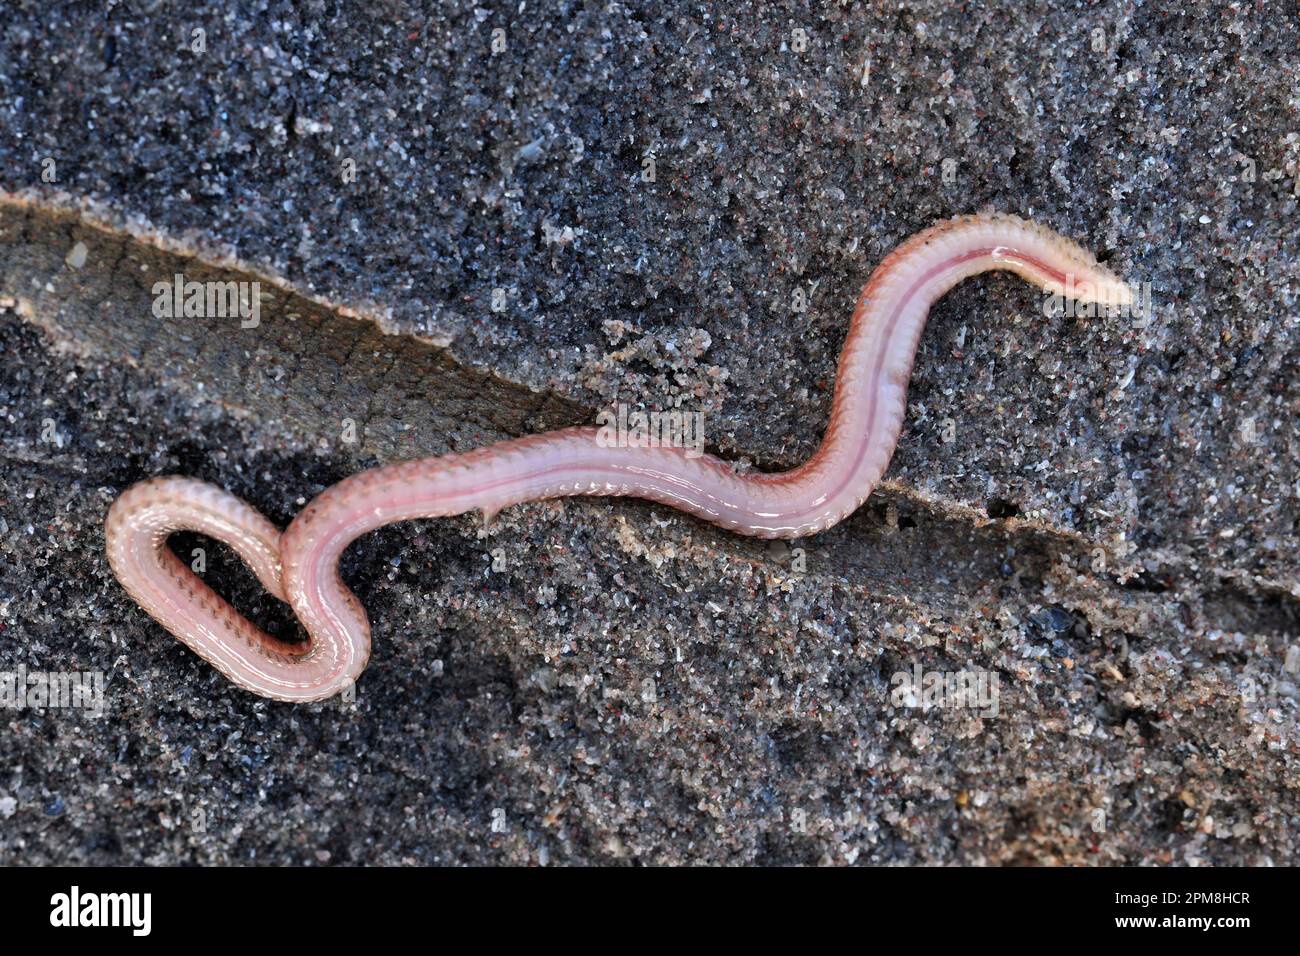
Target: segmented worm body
300, 566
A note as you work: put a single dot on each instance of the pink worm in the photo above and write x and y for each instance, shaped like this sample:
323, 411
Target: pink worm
300, 566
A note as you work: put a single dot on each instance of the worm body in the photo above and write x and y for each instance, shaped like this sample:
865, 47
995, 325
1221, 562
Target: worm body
301, 566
